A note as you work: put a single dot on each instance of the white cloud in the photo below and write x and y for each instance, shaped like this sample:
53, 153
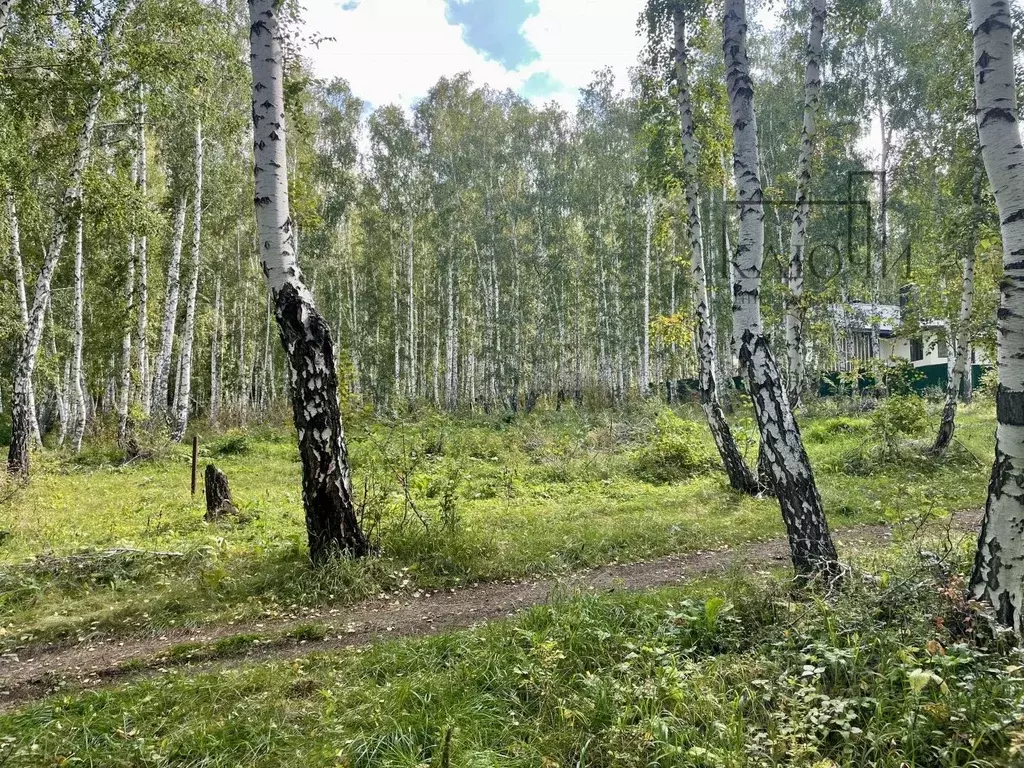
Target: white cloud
395, 50
576, 37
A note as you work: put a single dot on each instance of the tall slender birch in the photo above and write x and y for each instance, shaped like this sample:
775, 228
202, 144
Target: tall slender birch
215, 345
77, 383
183, 392
18, 453
740, 476
411, 342
998, 574
125, 392
960, 341
19, 281
645, 354
802, 211
145, 382
810, 543
331, 523
162, 366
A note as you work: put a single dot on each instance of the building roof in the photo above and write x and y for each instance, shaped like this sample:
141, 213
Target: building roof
860, 316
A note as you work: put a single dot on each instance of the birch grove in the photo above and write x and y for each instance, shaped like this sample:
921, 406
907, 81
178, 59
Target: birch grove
475, 251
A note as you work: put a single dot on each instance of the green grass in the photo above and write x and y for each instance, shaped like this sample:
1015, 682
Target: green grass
501, 498
896, 671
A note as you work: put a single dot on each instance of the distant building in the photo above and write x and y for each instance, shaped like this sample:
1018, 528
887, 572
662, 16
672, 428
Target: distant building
857, 320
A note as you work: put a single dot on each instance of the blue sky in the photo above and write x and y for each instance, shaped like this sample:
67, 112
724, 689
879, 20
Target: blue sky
394, 50
495, 28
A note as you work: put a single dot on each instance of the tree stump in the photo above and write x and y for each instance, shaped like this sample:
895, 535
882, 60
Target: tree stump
218, 494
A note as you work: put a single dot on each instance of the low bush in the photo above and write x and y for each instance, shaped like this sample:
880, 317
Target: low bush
677, 450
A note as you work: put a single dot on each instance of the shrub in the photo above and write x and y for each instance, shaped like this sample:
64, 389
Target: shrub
677, 450
839, 426
899, 416
986, 388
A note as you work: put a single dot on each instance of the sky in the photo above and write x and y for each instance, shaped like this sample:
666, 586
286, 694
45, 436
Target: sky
393, 51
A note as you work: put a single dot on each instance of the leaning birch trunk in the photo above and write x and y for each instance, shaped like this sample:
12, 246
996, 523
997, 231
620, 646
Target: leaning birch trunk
19, 280
960, 343
810, 543
18, 453
802, 212
183, 392
78, 386
998, 574
162, 367
331, 523
145, 384
740, 476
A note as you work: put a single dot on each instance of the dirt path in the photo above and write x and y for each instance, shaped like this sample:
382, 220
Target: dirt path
34, 673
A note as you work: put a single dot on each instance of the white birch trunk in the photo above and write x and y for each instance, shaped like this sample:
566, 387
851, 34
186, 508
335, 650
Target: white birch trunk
145, 383
77, 383
740, 476
645, 355
125, 391
959, 345
810, 543
183, 393
451, 348
215, 344
998, 574
410, 276
331, 522
162, 366
802, 212
19, 280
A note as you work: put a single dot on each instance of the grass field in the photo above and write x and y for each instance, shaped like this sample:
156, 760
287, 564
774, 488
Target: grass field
446, 501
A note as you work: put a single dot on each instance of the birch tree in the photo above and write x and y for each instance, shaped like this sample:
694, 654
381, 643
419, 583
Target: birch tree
142, 170
810, 543
77, 385
19, 283
960, 340
802, 211
740, 476
331, 523
162, 366
183, 390
998, 574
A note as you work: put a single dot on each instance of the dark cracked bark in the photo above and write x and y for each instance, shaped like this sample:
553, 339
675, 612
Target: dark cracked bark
331, 523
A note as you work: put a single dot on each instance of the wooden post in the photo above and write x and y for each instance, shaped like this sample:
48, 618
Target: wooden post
195, 457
